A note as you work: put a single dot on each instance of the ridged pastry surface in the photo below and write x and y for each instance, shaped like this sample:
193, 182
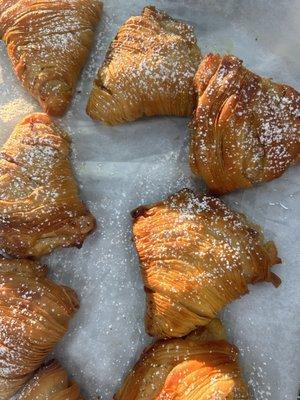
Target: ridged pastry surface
201, 366
245, 129
40, 208
148, 70
34, 316
48, 43
51, 382
196, 256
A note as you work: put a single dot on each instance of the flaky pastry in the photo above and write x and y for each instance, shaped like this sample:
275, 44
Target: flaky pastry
196, 256
34, 316
48, 43
148, 70
51, 382
245, 130
40, 208
201, 366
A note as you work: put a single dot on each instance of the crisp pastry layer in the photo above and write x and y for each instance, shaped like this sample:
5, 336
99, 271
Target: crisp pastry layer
40, 208
245, 130
48, 43
196, 256
201, 366
148, 70
51, 382
34, 316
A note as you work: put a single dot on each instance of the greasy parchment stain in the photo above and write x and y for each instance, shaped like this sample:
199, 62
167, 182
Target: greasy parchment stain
11, 109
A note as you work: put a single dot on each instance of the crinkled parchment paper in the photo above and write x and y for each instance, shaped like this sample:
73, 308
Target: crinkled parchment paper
119, 168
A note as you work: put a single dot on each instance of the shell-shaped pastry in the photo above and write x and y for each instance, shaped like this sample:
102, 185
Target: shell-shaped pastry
51, 382
34, 316
196, 256
40, 208
48, 43
245, 130
201, 366
148, 70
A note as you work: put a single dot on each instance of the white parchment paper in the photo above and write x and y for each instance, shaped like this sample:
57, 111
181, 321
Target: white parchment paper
122, 167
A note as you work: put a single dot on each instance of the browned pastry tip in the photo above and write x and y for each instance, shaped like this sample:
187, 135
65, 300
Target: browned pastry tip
34, 313
245, 129
148, 70
40, 208
48, 43
201, 366
196, 256
51, 382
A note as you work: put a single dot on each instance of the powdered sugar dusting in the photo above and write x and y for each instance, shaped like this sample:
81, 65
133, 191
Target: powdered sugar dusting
10, 110
149, 64
123, 167
246, 129
35, 315
196, 256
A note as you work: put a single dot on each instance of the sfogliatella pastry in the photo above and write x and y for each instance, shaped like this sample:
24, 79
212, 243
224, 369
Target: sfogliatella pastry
201, 366
34, 316
196, 256
40, 208
51, 382
245, 130
148, 70
48, 43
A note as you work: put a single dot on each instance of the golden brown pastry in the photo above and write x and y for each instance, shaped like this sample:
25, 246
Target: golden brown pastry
51, 382
148, 70
34, 316
245, 130
39, 204
196, 256
48, 43
201, 366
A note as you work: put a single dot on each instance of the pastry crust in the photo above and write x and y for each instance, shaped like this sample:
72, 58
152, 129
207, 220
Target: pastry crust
245, 130
148, 70
34, 316
201, 366
48, 43
196, 256
51, 382
40, 208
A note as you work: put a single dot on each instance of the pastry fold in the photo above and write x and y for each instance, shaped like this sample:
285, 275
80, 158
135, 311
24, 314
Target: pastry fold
201, 366
48, 43
34, 316
148, 70
245, 130
51, 382
196, 256
40, 208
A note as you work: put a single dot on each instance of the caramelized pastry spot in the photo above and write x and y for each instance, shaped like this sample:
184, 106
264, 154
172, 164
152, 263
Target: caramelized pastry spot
148, 70
196, 256
40, 208
245, 130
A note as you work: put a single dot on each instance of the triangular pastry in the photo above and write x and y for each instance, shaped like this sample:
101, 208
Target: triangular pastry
39, 204
51, 382
245, 130
48, 43
201, 366
148, 70
196, 256
34, 316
